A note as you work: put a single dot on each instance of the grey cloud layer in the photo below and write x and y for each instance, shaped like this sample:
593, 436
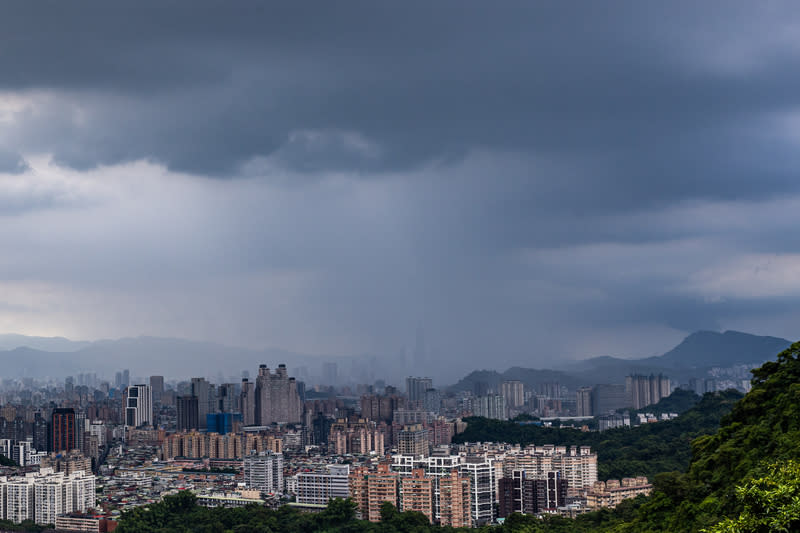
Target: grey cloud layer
515, 177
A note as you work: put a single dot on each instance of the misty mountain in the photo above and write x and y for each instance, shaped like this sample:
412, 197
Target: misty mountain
179, 358
9, 341
698, 352
709, 348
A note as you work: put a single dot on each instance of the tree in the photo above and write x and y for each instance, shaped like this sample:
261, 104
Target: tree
770, 503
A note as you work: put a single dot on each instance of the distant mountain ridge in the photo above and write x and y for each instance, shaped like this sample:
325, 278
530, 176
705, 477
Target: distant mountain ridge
699, 350
709, 348
9, 341
22, 356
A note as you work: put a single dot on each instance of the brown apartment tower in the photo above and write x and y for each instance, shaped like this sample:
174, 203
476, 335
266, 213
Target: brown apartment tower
62, 430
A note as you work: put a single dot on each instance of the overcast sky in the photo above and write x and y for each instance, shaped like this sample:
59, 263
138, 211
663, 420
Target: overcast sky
525, 181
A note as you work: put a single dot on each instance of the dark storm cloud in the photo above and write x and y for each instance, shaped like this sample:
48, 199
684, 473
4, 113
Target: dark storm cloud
510, 175
630, 95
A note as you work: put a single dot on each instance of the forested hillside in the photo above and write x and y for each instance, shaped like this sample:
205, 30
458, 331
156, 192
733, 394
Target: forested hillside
640, 451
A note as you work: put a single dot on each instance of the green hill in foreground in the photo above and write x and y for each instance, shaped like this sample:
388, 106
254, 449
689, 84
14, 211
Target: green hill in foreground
745, 477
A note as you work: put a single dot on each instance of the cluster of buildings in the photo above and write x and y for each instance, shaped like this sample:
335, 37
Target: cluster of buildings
42, 496
638, 392
271, 441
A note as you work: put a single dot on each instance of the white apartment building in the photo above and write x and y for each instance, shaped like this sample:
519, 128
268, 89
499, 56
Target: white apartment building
264, 472
138, 405
44, 495
319, 487
576, 464
479, 468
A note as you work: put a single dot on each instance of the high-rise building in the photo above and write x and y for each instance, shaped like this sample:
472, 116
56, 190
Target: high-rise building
277, 399
583, 401
157, 387
369, 489
380, 408
138, 402
63, 430
453, 500
417, 493
227, 399
514, 393
202, 390
41, 496
415, 389
608, 398
248, 402
413, 440
188, 412
451, 490
264, 472
646, 390
20, 499
483, 487
522, 493
432, 401
222, 423
490, 406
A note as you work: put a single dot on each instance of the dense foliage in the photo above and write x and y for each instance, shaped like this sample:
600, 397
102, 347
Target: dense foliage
180, 513
769, 503
27, 525
645, 450
762, 429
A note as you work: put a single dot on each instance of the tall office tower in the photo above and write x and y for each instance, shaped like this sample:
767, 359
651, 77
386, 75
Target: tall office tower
264, 472
201, 389
39, 432
608, 398
157, 387
583, 401
188, 412
277, 399
62, 429
157, 390
138, 405
248, 402
413, 440
126, 377
514, 393
415, 389
227, 399
417, 493
118, 380
490, 406
80, 428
